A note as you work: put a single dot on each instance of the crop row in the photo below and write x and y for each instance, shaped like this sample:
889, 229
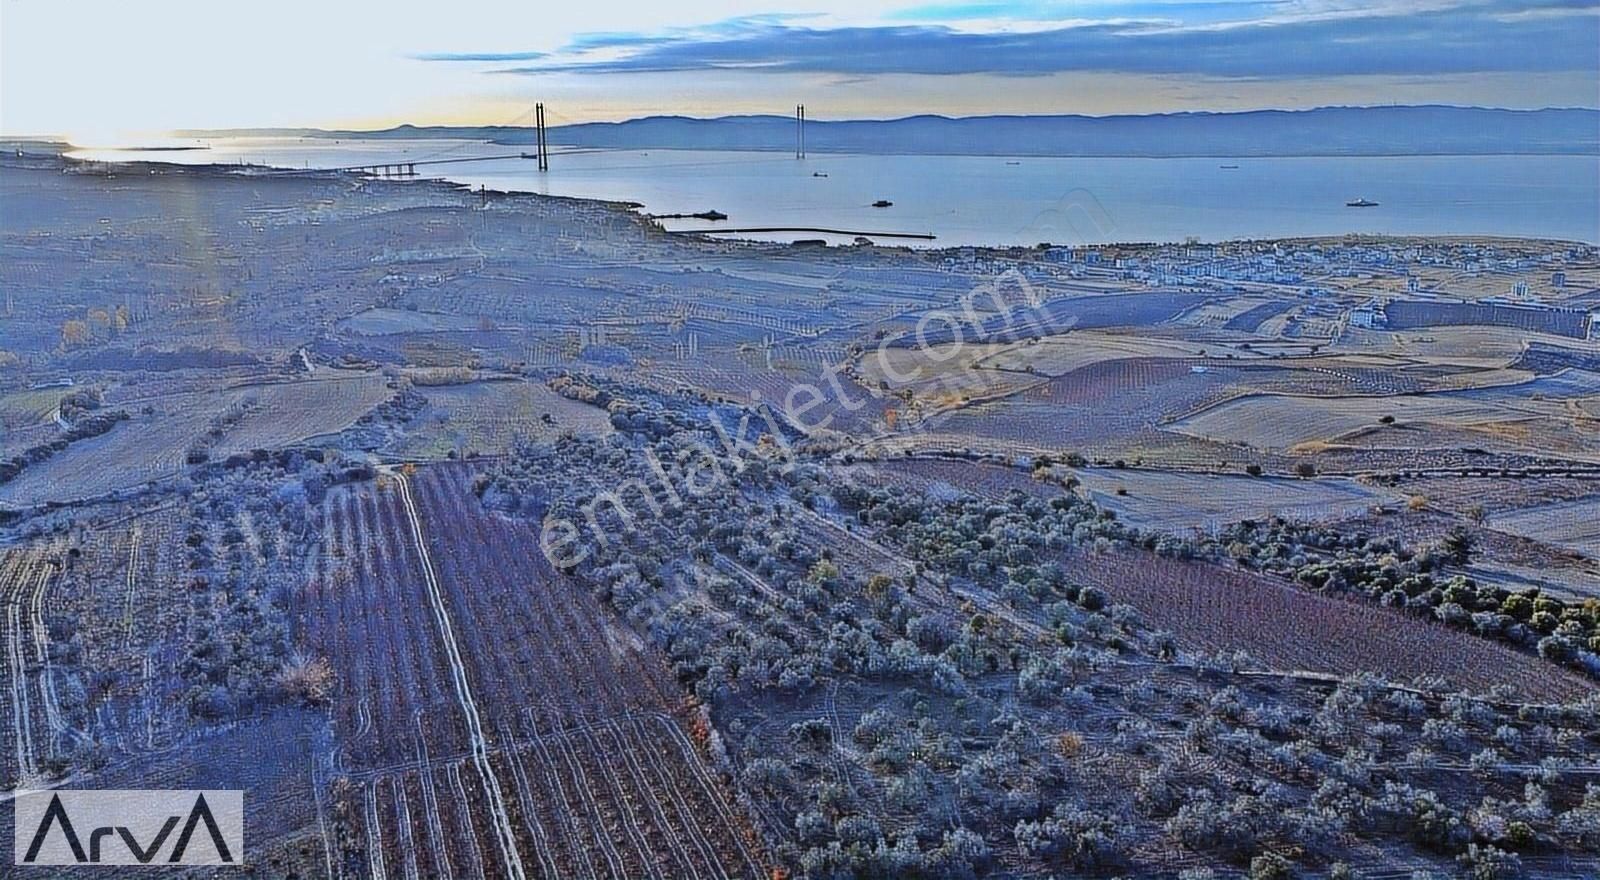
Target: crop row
1217, 608
490, 716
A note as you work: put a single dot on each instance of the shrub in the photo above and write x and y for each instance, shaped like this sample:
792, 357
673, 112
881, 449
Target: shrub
813, 733
1270, 866
1489, 863
306, 680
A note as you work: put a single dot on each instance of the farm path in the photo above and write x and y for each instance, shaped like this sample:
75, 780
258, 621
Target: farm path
469, 706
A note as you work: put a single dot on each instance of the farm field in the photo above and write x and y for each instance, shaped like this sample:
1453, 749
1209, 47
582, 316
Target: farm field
1057, 355
1119, 407
153, 445
1477, 347
34, 729
1291, 629
944, 376
1100, 402
1177, 501
1571, 524
488, 717
383, 322
1572, 581
1064, 315
286, 413
948, 479
17, 441
486, 418
1460, 495
824, 397
98, 623
1281, 422
1220, 314
23, 409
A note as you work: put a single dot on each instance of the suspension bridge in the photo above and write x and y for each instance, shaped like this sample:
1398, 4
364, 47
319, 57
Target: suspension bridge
541, 153
409, 169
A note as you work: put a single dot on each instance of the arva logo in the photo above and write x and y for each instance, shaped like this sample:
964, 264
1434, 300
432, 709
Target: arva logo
129, 827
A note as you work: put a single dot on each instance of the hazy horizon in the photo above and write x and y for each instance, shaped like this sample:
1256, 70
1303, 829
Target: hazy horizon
817, 118
136, 75
178, 135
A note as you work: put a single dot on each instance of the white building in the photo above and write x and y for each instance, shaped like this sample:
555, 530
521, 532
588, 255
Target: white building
1368, 316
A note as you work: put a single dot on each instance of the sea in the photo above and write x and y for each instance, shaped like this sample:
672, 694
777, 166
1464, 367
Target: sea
995, 200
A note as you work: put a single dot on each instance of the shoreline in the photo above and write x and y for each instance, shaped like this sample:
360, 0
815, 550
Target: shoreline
1155, 156
557, 148
59, 150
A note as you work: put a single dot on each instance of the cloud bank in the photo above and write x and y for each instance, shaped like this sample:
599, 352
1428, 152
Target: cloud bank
1279, 40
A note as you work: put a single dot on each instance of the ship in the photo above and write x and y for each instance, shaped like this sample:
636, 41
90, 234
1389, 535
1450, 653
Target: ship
1360, 203
882, 203
712, 214
1229, 167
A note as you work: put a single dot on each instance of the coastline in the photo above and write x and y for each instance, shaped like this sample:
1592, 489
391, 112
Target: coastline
56, 150
1328, 130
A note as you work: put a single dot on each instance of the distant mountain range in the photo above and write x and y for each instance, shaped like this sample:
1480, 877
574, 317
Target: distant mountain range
1339, 131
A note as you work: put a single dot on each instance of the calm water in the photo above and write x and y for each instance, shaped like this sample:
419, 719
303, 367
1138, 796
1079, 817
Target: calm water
992, 200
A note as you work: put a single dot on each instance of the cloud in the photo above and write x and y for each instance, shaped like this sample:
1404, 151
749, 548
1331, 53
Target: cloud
599, 41
1300, 39
481, 56
1053, 10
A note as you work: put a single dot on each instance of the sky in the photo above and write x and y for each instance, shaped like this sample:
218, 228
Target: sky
103, 72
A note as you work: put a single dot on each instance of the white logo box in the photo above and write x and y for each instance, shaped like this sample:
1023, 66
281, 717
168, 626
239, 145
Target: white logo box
121, 827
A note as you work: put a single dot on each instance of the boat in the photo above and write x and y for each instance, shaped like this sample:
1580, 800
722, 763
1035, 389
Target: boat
882, 203
1013, 163
712, 214
819, 174
1360, 203
1229, 167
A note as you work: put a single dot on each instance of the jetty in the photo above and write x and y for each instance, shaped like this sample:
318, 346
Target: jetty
923, 236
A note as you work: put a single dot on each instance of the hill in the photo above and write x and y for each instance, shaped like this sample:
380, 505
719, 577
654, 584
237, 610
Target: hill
1352, 131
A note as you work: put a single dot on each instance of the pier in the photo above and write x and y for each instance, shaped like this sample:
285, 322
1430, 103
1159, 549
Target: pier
923, 236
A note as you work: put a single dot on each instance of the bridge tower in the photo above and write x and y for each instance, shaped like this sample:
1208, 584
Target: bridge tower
543, 145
